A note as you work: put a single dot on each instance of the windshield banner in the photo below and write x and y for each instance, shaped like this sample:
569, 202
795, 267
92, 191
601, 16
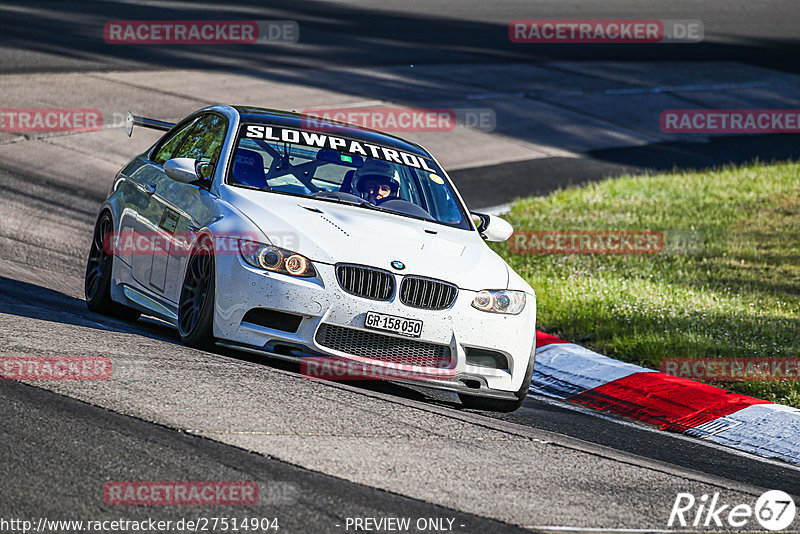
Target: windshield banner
278, 134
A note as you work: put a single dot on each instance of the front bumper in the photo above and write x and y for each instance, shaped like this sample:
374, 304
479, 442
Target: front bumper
320, 300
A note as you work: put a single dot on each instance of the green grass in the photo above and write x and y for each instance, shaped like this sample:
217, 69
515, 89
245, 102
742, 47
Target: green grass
734, 294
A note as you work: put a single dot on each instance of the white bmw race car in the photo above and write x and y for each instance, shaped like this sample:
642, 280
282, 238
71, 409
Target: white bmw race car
274, 233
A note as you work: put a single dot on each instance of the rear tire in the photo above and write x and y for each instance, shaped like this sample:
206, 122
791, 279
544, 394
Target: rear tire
473, 402
99, 266
196, 305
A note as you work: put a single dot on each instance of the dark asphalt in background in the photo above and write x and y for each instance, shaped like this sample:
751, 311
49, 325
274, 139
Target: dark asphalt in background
515, 179
42, 36
53, 36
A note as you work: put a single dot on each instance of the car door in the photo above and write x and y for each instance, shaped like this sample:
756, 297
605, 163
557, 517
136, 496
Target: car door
142, 217
183, 208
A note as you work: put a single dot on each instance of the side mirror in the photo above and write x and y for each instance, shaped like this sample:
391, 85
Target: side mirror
188, 170
493, 228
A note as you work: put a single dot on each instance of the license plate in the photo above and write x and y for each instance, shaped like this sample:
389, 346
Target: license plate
393, 324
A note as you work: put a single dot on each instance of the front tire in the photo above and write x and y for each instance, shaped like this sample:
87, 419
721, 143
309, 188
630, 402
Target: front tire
99, 266
196, 305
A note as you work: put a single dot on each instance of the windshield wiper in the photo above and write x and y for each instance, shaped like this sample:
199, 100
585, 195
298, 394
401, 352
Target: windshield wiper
334, 197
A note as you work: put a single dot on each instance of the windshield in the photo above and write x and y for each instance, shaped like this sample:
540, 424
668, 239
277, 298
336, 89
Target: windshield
318, 165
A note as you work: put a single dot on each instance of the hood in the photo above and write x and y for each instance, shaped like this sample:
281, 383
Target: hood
330, 232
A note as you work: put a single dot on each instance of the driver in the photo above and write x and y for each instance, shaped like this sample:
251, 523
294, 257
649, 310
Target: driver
375, 181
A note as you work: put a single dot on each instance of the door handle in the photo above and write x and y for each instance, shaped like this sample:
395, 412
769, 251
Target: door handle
193, 228
149, 189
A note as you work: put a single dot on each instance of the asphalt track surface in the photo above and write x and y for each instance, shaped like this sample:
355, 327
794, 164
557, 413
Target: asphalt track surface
340, 450
82, 436
46, 36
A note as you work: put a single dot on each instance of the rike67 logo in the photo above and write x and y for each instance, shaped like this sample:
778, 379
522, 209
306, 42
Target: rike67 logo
774, 510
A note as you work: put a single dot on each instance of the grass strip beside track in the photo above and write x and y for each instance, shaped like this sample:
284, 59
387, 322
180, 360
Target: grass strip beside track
726, 285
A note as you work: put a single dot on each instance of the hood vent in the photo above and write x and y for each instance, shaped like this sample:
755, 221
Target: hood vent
334, 225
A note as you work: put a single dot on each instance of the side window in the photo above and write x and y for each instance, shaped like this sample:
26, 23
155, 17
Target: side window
204, 140
166, 149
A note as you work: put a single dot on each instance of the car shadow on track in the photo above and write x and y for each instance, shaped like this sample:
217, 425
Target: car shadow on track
395, 389
36, 302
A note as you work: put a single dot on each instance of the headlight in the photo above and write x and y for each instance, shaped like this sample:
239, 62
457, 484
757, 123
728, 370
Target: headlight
275, 259
500, 301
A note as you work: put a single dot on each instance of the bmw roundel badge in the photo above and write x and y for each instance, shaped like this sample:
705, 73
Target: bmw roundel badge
399, 265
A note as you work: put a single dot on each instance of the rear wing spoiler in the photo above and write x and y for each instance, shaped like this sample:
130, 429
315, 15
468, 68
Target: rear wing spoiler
132, 120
